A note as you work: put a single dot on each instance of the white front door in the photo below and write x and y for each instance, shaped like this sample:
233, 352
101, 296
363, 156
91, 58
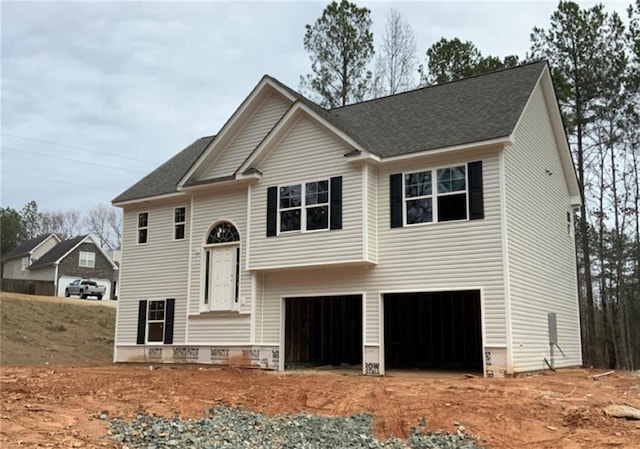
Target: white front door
223, 274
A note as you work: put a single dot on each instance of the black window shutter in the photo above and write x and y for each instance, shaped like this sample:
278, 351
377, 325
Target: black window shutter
272, 211
142, 321
336, 203
395, 195
168, 321
476, 200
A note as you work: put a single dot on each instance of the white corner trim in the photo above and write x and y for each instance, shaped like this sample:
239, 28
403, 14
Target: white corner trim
248, 230
189, 269
365, 212
505, 262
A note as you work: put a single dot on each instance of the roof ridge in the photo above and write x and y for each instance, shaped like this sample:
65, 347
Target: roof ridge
478, 75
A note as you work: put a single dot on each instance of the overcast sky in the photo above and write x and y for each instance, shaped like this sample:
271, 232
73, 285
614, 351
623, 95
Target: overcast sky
97, 94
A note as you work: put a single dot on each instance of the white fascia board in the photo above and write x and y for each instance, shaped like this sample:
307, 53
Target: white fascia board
236, 180
499, 142
284, 124
240, 113
147, 199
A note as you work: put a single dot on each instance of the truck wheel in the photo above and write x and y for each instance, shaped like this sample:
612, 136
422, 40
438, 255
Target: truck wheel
82, 296
66, 293
99, 297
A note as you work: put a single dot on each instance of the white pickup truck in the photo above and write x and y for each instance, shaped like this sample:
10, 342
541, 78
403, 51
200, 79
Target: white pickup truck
84, 288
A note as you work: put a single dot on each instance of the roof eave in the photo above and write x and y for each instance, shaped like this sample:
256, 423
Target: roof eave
147, 199
495, 142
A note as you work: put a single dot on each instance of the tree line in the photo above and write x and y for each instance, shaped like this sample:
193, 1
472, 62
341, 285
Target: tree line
594, 55
103, 222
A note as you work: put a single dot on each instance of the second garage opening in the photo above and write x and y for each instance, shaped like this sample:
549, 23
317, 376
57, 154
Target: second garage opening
433, 330
323, 330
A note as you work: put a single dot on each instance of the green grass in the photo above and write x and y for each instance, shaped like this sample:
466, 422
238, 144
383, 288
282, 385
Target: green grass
41, 330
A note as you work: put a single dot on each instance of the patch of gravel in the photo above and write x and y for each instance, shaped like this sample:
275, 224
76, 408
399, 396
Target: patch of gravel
227, 427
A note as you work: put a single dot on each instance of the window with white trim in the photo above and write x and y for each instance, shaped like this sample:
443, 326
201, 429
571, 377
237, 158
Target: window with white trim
87, 259
304, 207
156, 321
143, 227
435, 195
179, 222
24, 263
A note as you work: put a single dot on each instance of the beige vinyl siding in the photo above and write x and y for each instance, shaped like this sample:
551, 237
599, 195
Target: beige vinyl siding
47, 273
372, 210
441, 256
209, 209
450, 255
43, 248
307, 153
268, 113
152, 271
13, 269
541, 252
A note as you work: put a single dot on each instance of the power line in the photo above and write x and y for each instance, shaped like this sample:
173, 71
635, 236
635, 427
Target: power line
40, 178
79, 148
70, 160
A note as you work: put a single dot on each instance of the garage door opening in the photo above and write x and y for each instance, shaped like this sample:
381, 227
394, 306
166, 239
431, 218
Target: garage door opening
433, 330
321, 331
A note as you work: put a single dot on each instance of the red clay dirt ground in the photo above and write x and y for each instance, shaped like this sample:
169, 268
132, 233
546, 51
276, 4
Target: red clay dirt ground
57, 406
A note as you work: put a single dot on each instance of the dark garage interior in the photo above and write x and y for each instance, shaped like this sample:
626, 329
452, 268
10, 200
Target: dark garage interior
324, 330
433, 330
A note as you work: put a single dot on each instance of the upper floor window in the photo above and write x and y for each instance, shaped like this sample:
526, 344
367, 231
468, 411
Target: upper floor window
309, 206
435, 195
179, 222
143, 227
87, 259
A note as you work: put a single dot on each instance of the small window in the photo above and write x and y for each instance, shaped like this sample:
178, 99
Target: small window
87, 259
155, 321
179, 222
24, 263
143, 227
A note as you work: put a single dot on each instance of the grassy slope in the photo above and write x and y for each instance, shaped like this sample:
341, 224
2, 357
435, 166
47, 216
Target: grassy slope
38, 330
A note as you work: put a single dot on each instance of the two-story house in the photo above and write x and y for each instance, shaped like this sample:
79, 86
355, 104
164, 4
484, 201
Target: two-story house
428, 229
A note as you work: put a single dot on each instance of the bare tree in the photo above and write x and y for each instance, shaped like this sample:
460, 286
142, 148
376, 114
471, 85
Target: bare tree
396, 64
105, 223
65, 224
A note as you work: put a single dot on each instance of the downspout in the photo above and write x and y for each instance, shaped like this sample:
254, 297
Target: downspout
55, 281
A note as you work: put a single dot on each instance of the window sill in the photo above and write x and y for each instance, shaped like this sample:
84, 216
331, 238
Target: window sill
213, 313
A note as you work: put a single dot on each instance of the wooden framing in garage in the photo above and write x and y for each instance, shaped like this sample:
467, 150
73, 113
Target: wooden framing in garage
433, 330
323, 330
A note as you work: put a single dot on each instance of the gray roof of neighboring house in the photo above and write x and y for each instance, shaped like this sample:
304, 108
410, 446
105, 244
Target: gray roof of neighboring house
55, 253
165, 178
475, 109
26, 247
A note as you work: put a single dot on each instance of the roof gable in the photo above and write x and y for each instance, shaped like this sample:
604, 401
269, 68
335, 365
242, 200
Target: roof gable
28, 246
64, 248
234, 125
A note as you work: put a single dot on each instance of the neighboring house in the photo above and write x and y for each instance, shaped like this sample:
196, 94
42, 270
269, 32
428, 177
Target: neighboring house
67, 260
16, 275
428, 229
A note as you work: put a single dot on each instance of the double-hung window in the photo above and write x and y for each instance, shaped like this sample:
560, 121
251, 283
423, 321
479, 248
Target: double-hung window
179, 222
155, 321
143, 227
304, 207
87, 259
436, 195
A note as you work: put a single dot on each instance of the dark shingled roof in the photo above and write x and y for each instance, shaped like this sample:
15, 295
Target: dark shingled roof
165, 178
57, 251
26, 247
470, 110
475, 109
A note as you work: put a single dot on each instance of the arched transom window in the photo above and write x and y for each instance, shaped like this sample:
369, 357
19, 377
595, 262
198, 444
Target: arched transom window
221, 268
223, 233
